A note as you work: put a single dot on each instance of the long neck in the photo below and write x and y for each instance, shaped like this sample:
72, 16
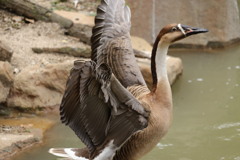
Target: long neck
161, 56
158, 63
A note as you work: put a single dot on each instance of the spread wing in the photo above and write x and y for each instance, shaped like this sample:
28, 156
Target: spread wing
111, 43
98, 108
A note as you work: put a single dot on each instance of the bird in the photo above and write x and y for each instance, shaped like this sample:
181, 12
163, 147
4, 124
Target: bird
75, 3
107, 102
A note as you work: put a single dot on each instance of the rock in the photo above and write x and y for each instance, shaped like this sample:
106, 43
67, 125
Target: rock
140, 44
76, 52
82, 31
18, 134
4, 111
28, 20
141, 47
17, 19
174, 68
82, 27
4, 91
39, 87
16, 70
13, 143
6, 80
77, 17
5, 52
223, 28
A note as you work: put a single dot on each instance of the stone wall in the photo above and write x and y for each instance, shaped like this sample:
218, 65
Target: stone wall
221, 17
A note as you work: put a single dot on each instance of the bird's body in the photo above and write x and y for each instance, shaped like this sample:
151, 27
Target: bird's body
107, 103
142, 142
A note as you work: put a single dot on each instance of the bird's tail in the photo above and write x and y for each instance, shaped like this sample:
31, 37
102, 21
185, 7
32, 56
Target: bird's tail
69, 153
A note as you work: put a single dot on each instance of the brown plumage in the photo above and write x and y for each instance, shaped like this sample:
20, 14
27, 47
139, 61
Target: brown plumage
107, 103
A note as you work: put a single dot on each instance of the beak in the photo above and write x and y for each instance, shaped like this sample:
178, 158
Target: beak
192, 30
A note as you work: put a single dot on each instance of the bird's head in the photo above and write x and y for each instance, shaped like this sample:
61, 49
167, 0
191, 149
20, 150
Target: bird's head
174, 32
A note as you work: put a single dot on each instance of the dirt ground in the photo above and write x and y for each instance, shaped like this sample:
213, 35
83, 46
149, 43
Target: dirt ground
22, 34
22, 37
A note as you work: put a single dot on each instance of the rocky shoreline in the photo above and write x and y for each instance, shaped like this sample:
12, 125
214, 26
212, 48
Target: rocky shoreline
21, 132
14, 139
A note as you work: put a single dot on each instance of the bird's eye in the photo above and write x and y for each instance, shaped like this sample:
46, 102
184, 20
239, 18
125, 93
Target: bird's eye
174, 29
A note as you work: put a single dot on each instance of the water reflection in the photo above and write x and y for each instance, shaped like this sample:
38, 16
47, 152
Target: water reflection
228, 125
162, 146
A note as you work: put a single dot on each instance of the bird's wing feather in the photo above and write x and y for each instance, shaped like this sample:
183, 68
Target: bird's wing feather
98, 108
70, 153
112, 20
111, 42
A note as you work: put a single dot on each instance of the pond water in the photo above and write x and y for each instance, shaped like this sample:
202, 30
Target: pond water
206, 122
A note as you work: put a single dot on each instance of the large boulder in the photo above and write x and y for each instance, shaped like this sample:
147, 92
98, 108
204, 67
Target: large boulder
39, 87
5, 52
221, 17
174, 69
6, 80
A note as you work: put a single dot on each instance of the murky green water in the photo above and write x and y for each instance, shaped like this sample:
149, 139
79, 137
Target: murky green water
206, 122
